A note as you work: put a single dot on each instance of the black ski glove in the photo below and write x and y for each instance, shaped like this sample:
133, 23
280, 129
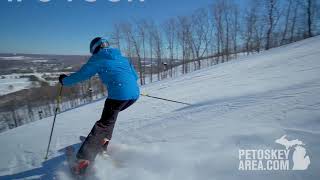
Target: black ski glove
61, 77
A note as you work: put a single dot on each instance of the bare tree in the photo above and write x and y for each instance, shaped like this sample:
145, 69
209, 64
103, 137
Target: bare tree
224, 12
290, 21
150, 26
200, 35
310, 11
253, 28
294, 21
235, 27
184, 33
116, 36
142, 25
227, 22
287, 19
273, 16
170, 32
129, 32
250, 21
158, 42
259, 35
217, 11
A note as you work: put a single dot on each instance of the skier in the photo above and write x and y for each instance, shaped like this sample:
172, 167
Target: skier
120, 77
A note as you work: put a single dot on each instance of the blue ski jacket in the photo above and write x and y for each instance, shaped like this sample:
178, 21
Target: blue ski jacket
115, 71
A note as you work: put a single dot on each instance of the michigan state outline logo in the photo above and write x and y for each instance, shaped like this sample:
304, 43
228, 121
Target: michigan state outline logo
293, 156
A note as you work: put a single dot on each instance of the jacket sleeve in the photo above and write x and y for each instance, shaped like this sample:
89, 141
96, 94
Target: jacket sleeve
134, 72
87, 71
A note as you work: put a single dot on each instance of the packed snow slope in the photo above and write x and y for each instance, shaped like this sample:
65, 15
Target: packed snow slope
246, 103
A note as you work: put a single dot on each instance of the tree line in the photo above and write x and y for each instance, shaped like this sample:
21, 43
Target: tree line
221, 30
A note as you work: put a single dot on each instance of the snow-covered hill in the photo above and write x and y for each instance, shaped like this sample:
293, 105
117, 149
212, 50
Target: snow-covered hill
243, 104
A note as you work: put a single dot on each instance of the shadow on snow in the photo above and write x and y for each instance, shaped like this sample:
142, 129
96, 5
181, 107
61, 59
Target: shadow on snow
47, 171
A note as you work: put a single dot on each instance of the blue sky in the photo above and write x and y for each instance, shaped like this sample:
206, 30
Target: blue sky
62, 27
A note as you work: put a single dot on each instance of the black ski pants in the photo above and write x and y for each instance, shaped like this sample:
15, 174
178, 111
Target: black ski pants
101, 133
110, 113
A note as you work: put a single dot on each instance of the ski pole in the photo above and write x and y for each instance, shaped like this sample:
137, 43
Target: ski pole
146, 95
54, 119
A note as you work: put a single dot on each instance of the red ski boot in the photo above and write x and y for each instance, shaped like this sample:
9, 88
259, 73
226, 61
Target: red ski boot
80, 167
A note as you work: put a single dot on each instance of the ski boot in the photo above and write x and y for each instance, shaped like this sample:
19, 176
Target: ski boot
80, 167
95, 143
